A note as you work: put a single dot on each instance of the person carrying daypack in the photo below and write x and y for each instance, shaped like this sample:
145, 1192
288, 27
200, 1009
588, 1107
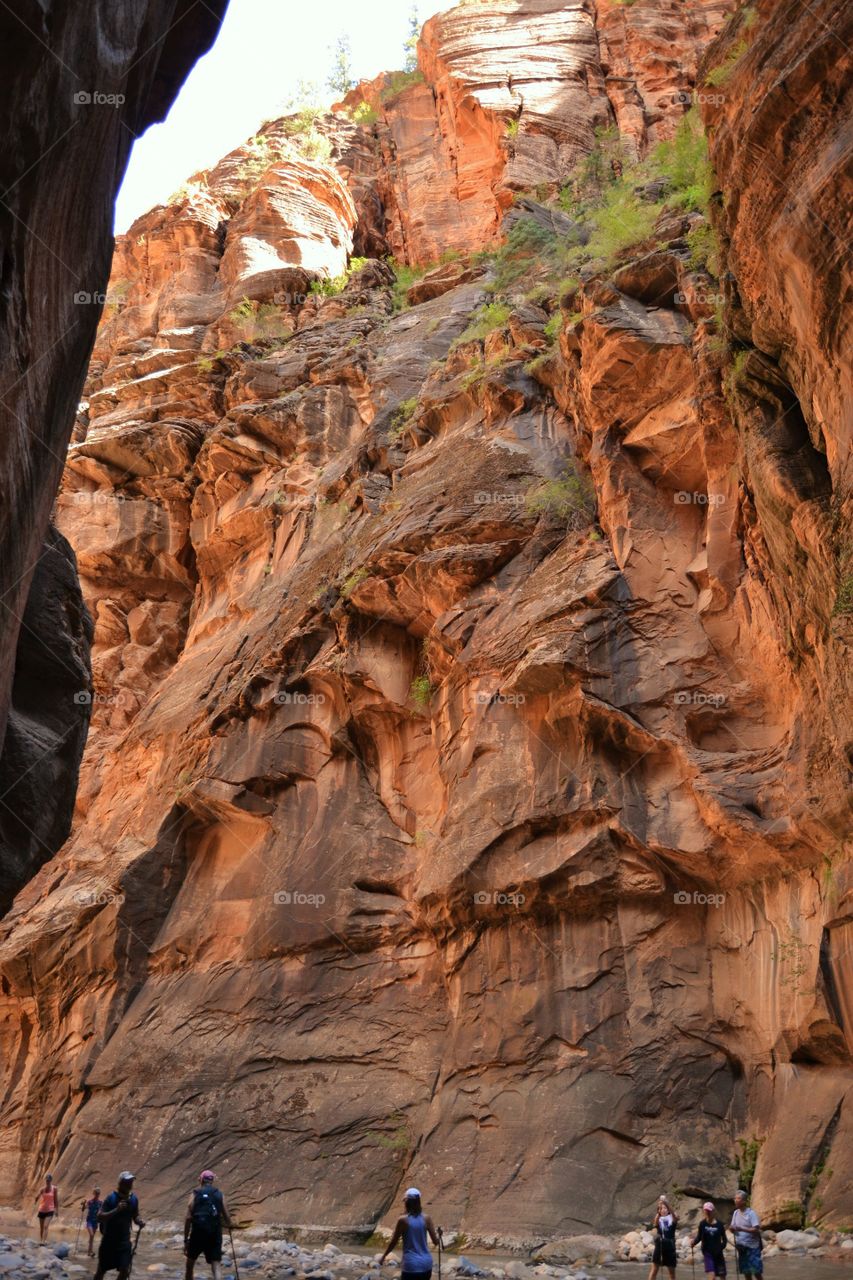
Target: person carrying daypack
206, 1215
115, 1218
711, 1235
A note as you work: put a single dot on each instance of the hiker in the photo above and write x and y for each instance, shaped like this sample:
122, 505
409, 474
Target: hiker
664, 1224
48, 1206
711, 1235
119, 1210
746, 1229
206, 1213
92, 1208
413, 1229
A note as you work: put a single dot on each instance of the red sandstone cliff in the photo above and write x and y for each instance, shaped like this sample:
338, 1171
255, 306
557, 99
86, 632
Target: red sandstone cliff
446, 679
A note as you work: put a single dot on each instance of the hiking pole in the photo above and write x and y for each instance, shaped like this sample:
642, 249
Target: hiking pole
693, 1260
233, 1253
79, 1229
133, 1251
440, 1243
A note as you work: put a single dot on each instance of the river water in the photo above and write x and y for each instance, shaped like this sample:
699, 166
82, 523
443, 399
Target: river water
778, 1268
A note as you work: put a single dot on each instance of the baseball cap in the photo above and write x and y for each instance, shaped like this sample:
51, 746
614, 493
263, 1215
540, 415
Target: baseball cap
707, 1205
207, 1175
412, 1191
127, 1176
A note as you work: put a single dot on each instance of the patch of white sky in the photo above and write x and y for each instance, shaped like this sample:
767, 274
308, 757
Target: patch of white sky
265, 50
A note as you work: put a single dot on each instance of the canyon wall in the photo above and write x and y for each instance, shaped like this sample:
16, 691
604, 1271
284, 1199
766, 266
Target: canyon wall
80, 81
465, 801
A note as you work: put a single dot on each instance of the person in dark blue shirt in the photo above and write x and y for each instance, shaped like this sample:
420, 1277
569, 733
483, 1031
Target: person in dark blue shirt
92, 1208
117, 1213
711, 1235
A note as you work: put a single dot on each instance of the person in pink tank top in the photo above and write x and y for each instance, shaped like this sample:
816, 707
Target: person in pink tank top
48, 1206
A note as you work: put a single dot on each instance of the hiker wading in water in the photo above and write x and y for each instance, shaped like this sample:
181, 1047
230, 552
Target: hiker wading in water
117, 1213
48, 1206
711, 1235
413, 1229
746, 1229
206, 1214
92, 1208
664, 1224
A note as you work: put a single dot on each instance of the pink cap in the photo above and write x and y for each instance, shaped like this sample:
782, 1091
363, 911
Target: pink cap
207, 1176
708, 1206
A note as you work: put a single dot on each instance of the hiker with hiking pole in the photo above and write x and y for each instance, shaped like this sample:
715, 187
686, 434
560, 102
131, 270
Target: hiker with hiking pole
746, 1229
413, 1228
206, 1214
115, 1217
90, 1209
711, 1235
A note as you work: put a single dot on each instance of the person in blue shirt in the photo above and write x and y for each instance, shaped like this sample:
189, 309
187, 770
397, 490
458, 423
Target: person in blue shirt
412, 1229
92, 1208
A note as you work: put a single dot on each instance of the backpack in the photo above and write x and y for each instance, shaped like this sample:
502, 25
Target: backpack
207, 1207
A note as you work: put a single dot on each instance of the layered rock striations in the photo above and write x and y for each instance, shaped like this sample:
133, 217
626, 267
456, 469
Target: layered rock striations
465, 801
80, 82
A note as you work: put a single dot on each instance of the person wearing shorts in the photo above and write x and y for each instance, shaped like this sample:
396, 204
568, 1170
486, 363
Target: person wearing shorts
117, 1213
664, 1225
92, 1208
711, 1235
746, 1229
48, 1206
413, 1229
206, 1215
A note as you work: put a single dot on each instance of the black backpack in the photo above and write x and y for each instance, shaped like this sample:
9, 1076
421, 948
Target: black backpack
207, 1207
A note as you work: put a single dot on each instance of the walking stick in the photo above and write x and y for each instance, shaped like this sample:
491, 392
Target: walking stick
133, 1251
693, 1260
79, 1229
233, 1253
440, 1243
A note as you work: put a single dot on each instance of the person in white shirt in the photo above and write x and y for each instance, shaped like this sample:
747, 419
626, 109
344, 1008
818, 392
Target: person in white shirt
746, 1229
665, 1255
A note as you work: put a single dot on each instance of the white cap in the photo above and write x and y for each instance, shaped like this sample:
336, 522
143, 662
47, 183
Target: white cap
412, 1191
127, 1176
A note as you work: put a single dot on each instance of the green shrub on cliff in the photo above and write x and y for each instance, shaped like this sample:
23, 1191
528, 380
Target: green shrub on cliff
398, 81
723, 73
570, 498
364, 114
486, 320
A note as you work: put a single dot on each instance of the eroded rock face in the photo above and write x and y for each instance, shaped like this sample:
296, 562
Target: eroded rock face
490, 117
79, 81
456, 794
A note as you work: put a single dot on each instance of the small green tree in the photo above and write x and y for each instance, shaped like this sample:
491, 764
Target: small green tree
340, 77
411, 44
